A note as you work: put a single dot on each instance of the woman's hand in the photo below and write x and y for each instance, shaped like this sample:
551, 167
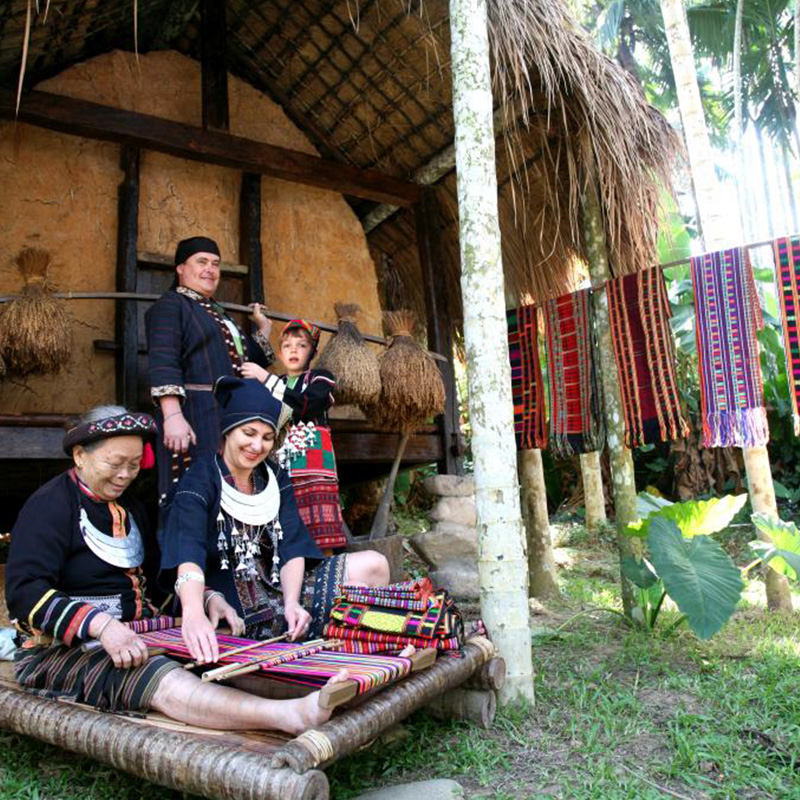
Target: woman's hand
251, 370
219, 608
198, 633
261, 321
298, 620
178, 433
126, 648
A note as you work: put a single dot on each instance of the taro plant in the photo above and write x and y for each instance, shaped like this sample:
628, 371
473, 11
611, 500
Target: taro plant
782, 551
682, 561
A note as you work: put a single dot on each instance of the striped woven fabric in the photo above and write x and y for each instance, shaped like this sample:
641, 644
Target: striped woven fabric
526, 377
153, 624
576, 418
410, 596
728, 315
787, 267
385, 641
644, 351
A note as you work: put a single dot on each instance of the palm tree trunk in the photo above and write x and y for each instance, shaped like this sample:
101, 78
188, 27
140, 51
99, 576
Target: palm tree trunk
787, 174
765, 184
738, 123
622, 477
533, 495
593, 495
502, 564
759, 474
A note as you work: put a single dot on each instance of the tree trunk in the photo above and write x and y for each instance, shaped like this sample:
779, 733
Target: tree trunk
765, 184
593, 495
541, 562
738, 120
759, 476
622, 477
786, 157
502, 562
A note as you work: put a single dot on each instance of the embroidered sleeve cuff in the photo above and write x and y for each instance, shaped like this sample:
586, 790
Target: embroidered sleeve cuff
263, 342
168, 390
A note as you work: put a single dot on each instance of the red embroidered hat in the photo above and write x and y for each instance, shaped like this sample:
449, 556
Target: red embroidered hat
302, 324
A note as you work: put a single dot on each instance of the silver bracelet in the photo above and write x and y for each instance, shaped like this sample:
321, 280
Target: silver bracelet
173, 414
103, 627
189, 576
209, 597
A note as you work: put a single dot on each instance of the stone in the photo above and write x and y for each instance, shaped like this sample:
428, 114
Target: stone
460, 510
440, 789
460, 578
446, 541
450, 485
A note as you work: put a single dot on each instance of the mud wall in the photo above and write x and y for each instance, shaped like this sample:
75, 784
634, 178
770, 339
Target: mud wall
60, 192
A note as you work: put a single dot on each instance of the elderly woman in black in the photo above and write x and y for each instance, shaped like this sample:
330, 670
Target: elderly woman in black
77, 573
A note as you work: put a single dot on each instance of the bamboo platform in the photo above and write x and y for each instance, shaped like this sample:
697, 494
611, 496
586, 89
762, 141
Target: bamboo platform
226, 765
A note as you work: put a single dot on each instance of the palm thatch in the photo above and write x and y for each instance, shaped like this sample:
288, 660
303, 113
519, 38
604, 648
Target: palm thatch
369, 84
347, 356
35, 329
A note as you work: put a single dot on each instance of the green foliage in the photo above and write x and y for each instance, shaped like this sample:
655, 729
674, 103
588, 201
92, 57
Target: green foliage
697, 574
693, 517
782, 552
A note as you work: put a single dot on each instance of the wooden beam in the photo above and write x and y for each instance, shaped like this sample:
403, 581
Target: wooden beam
214, 64
125, 322
250, 233
95, 121
440, 337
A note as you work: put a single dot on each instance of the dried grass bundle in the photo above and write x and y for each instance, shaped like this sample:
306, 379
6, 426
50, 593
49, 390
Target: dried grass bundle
35, 328
412, 389
347, 356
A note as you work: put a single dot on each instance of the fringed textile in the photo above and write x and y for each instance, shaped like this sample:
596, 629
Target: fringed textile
728, 315
787, 267
644, 350
576, 417
526, 377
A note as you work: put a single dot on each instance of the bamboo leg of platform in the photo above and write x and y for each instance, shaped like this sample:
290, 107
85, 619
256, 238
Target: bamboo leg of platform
477, 706
345, 733
186, 764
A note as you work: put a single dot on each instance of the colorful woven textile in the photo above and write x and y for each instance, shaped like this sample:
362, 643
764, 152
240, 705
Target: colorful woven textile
644, 350
311, 669
787, 267
320, 509
411, 596
385, 641
576, 419
526, 377
728, 315
152, 624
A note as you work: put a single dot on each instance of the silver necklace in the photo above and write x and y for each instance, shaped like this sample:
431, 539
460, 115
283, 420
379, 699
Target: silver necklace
125, 552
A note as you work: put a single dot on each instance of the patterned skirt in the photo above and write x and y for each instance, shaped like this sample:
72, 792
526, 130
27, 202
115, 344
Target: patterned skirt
320, 509
90, 678
321, 586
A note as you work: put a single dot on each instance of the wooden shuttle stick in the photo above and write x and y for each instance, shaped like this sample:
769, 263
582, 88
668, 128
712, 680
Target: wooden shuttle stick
237, 650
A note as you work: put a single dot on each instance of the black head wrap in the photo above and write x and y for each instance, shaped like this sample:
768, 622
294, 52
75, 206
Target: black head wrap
127, 424
195, 244
244, 400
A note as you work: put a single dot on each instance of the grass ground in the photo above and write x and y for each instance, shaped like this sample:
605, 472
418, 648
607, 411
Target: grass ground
618, 715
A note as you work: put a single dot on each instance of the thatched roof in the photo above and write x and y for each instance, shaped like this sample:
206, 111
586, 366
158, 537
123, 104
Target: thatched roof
369, 83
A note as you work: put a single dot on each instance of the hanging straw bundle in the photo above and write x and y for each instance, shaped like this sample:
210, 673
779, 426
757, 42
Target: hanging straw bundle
347, 356
412, 391
35, 328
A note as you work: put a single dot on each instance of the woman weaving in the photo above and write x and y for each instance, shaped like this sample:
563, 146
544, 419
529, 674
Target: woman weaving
233, 525
76, 572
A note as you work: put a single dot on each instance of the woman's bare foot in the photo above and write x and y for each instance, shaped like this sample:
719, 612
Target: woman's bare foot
408, 651
305, 712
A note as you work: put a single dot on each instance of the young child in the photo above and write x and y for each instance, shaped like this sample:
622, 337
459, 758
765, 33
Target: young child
307, 452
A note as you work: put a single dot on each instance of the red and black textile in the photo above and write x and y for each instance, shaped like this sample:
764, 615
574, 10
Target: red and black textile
644, 350
396, 616
576, 411
526, 377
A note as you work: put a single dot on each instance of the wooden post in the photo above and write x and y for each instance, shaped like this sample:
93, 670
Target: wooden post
502, 564
250, 234
593, 496
440, 337
214, 64
622, 477
126, 325
533, 497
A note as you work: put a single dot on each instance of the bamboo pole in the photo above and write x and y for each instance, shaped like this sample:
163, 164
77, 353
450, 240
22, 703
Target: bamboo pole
350, 730
502, 563
622, 477
477, 706
183, 762
593, 496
